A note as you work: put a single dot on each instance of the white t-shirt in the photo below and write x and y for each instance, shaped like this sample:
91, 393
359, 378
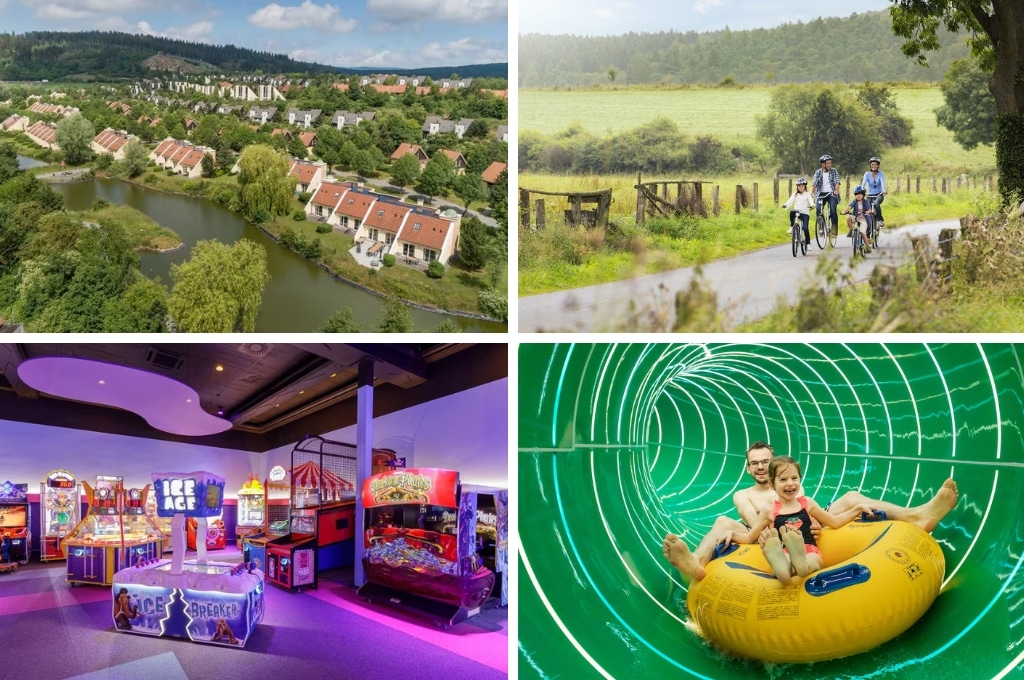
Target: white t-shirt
826, 182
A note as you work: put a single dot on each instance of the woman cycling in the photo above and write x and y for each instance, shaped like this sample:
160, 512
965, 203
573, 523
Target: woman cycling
801, 203
874, 182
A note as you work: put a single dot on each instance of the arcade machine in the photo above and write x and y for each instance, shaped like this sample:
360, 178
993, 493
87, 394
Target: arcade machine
421, 546
115, 533
323, 514
492, 534
60, 507
15, 538
216, 533
209, 602
162, 523
250, 509
277, 503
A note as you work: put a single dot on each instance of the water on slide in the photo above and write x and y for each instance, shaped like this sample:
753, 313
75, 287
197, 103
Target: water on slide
620, 444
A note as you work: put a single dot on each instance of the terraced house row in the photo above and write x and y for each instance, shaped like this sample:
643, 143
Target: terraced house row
415, 235
182, 158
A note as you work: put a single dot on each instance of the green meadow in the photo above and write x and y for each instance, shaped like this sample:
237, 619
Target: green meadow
730, 115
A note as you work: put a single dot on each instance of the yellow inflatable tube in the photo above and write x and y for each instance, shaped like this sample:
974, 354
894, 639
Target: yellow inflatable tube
879, 578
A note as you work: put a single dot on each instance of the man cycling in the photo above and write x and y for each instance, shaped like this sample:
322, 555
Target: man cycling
826, 186
874, 182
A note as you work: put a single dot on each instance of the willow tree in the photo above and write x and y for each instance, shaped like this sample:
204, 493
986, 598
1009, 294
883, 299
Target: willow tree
267, 188
997, 39
220, 288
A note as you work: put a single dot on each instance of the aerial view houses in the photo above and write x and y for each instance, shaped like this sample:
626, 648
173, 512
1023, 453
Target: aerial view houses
387, 173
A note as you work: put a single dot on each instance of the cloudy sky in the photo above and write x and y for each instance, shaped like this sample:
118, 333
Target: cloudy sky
371, 33
615, 17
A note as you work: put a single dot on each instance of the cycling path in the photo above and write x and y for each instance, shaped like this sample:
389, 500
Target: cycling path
748, 286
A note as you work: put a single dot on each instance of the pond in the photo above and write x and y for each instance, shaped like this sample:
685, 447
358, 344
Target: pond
299, 297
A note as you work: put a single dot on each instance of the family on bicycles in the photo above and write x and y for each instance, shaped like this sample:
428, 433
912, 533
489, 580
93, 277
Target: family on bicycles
866, 208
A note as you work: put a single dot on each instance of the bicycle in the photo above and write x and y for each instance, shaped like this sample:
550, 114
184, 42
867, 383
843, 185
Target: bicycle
858, 237
876, 224
823, 228
798, 236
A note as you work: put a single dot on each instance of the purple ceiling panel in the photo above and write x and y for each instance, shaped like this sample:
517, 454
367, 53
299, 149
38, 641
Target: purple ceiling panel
164, 403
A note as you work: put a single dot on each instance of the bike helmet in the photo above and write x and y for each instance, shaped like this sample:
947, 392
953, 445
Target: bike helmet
800, 181
824, 158
875, 159
858, 190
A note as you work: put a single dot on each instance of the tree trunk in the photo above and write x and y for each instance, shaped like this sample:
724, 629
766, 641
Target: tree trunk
1006, 31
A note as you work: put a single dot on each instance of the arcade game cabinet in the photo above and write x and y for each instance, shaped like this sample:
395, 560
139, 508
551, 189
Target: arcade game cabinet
277, 504
251, 509
60, 507
162, 523
15, 538
421, 545
115, 533
216, 533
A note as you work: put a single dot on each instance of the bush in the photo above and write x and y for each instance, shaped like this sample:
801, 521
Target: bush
435, 270
194, 187
388, 260
494, 305
324, 228
223, 195
100, 203
305, 196
150, 178
169, 172
103, 161
300, 216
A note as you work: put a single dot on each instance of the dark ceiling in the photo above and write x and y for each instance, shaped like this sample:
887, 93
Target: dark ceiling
273, 393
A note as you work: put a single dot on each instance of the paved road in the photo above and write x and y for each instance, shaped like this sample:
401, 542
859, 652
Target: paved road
748, 286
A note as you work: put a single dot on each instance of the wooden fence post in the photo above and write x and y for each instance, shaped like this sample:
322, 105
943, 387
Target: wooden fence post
946, 239
917, 185
739, 198
908, 182
524, 208
540, 213
775, 189
920, 244
790, 192
639, 200
943, 185
716, 207
755, 196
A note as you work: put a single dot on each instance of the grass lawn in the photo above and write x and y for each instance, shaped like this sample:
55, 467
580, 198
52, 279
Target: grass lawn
143, 232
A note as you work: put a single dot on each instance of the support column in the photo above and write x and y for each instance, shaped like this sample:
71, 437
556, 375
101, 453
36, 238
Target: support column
202, 526
364, 455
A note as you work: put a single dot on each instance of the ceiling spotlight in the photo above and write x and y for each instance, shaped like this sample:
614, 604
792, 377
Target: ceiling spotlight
218, 367
220, 411
302, 391
334, 375
188, 401
103, 382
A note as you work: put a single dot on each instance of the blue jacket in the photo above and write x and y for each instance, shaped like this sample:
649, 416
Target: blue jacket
874, 185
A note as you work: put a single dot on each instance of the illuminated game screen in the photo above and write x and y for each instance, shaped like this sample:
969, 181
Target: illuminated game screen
13, 516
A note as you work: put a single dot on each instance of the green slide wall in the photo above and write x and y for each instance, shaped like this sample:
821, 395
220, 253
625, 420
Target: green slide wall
620, 444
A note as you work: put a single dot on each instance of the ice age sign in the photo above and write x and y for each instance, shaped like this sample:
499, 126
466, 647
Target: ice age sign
194, 494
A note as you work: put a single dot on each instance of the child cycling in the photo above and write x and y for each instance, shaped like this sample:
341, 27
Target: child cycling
801, 203
858, 211
794, 551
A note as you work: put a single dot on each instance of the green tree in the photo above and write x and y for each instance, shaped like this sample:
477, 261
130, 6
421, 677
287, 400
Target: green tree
140, 309
803, 121
265, 185
894, 128
74, 134
448, 326
209, 166
296, 148
470, 188
220, 288
995, 29
394, 317
612, 72
499, 199
136, 158
475, 244
437, 177
405, 170
342, 321
970, 109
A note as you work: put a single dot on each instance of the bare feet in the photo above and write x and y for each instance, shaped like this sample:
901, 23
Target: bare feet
929, 514
777, 559
794, 542
679, 555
